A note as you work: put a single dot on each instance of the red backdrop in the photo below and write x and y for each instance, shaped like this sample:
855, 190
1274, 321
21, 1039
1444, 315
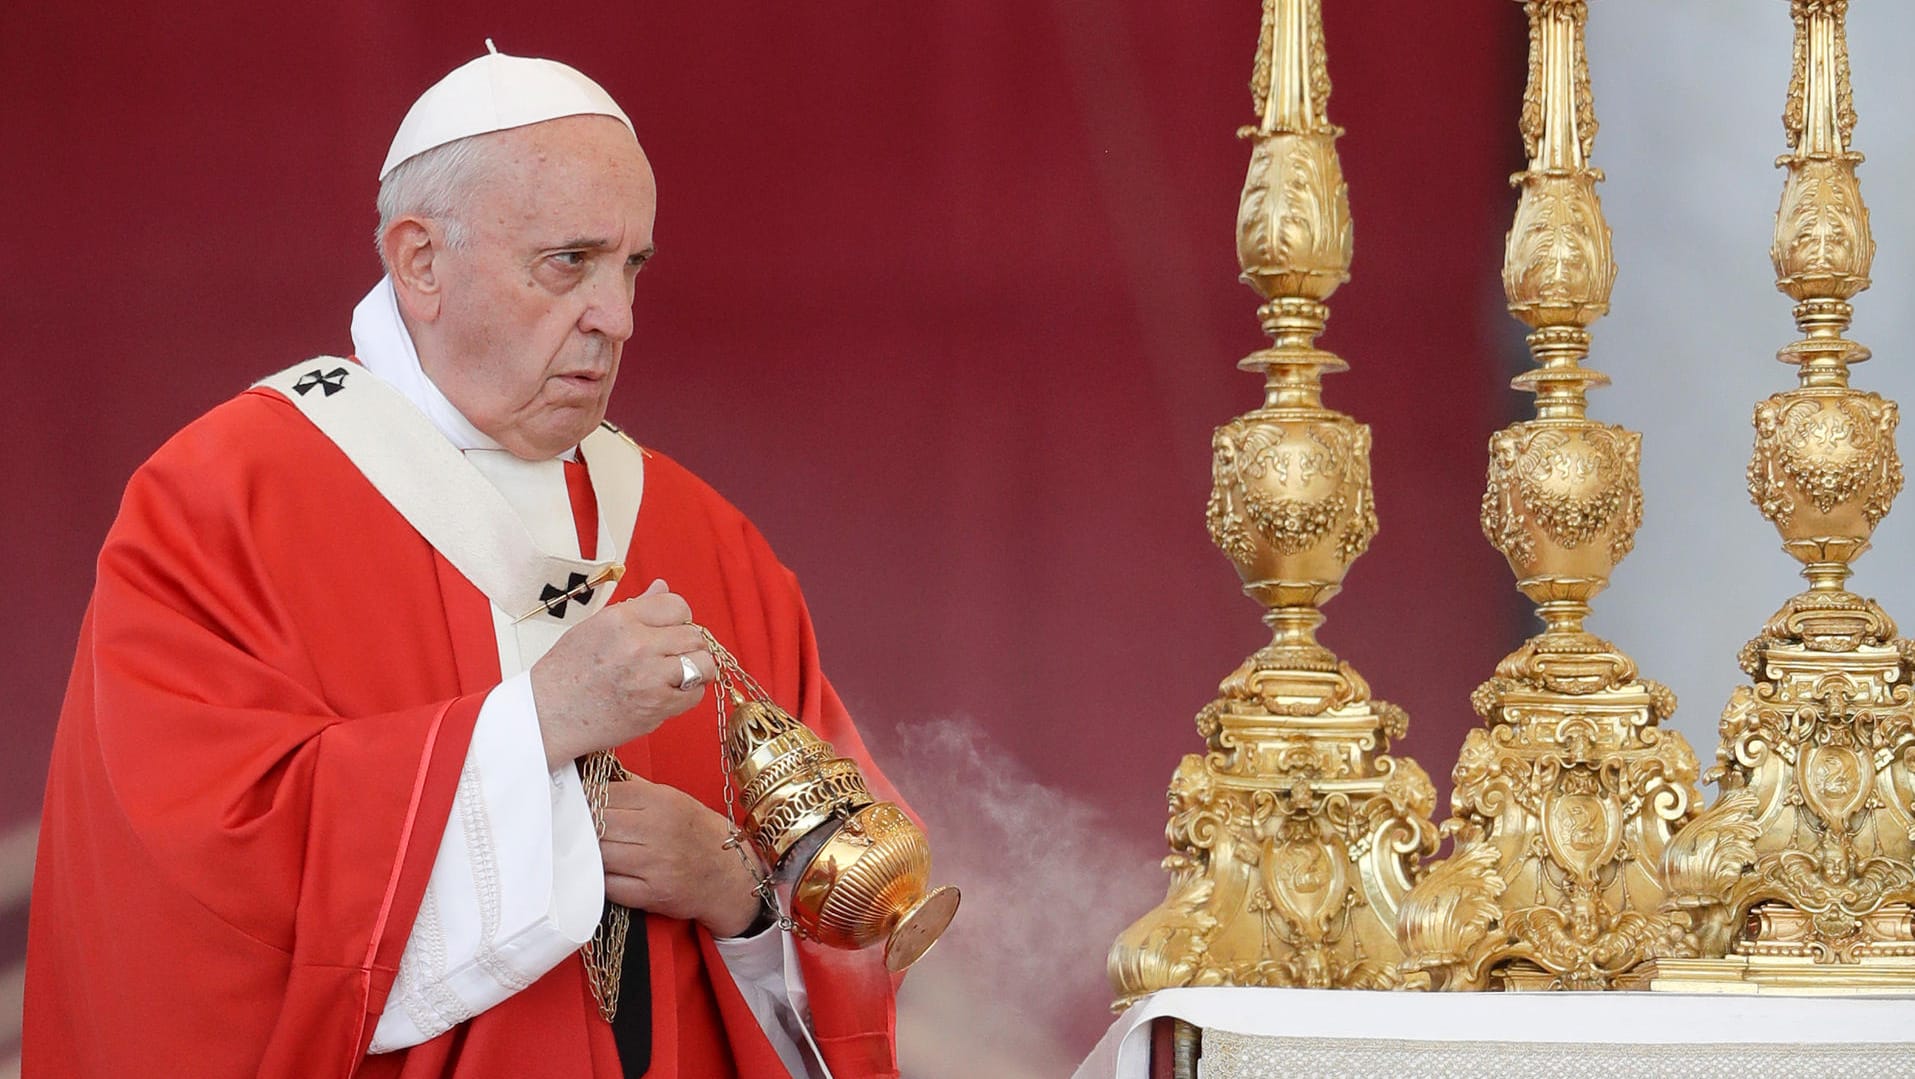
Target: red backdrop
945, 299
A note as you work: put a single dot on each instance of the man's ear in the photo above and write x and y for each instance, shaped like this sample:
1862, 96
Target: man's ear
412, 248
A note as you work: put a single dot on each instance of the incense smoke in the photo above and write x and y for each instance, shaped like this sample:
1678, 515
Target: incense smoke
1016, 988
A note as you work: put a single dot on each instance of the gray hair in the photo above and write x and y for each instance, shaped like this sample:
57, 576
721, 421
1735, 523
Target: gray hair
434, 184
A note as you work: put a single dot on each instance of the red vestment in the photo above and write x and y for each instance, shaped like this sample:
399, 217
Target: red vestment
275, 685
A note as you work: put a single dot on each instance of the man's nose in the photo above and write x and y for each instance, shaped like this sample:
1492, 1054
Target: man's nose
608, 309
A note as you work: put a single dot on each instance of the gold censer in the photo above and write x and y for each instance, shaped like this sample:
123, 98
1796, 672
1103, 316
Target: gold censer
859, 869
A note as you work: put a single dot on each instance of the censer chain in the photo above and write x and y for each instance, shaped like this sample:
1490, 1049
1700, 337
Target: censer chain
604, 954
734, 683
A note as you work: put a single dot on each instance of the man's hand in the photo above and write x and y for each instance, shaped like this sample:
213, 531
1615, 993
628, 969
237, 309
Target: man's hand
665, 852
616, 675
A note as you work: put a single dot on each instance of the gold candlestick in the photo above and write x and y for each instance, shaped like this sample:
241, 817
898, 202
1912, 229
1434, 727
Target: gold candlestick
1294, 838
1802, 875
1563, 802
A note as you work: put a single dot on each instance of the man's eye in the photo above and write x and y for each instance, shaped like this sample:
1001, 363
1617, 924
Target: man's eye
570, 258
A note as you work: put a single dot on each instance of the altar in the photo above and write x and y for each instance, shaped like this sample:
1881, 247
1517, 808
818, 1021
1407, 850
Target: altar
1238, 1033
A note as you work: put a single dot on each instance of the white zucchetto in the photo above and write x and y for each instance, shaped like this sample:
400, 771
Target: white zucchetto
494, 93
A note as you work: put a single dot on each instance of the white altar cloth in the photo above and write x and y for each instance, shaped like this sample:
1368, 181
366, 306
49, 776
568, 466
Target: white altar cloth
1336, 1019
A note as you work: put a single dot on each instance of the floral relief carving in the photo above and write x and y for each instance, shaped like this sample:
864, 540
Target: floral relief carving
1290, 485
1502, 519
1822, 229
1293, 225
1569, 485
1264, 69
1825, 450
1577, 488
1558, 254
1541, 14
1795, 111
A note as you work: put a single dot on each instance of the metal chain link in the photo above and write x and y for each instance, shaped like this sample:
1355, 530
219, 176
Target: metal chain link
604, 954
733, 683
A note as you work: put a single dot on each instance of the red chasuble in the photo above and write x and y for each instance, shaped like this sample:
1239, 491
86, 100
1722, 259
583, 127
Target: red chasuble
274, 689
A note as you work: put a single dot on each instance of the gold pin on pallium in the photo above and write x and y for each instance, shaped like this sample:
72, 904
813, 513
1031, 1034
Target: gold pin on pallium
579, 591
860, 869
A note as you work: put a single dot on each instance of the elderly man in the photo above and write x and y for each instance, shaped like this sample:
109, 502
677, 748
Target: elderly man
314, 808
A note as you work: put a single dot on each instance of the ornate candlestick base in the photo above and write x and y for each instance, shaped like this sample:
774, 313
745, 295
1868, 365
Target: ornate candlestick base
1293, 840
1562, 807
1801, 878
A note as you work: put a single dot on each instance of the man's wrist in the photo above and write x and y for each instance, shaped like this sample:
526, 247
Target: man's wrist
737, 925
764, 910
766, 917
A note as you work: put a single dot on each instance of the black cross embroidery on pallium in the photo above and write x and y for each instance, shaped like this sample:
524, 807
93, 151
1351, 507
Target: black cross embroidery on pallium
555, 598
331, 381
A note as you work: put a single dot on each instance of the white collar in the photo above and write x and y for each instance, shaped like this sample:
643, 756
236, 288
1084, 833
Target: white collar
380, 340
